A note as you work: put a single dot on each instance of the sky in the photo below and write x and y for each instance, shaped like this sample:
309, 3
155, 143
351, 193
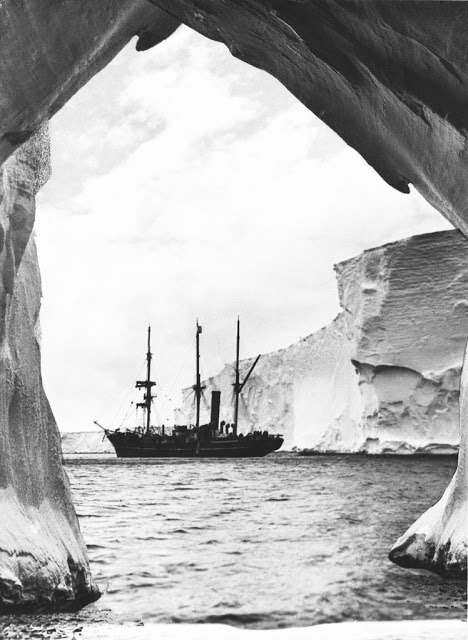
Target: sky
189, 185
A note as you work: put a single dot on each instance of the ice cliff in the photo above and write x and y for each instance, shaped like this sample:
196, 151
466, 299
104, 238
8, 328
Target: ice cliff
384, 376
391, 78
85, 442
407, 325
43, 560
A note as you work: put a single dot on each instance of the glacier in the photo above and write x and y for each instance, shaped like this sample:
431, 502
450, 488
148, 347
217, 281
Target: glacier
384, 375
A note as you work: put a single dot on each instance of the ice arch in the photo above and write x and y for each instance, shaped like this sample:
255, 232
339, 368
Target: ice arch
390, 77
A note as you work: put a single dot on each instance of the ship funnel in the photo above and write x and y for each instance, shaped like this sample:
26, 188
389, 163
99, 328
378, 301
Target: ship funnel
215, 403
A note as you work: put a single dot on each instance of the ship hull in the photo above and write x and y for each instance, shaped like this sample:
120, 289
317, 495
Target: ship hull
236, 448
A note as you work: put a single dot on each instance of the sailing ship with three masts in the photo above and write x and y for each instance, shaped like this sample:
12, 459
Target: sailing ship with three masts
198, 440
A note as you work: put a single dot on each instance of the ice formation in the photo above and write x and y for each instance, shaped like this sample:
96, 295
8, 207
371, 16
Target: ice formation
78, 442
379, 73
437, 540
384, 376
407, 327
43, 560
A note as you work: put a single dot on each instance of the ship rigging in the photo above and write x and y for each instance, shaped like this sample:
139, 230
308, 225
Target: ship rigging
206, 440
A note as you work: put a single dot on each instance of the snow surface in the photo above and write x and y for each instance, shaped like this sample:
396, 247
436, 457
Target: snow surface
384, 376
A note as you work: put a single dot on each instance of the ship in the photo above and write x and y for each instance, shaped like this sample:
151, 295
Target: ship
211, 440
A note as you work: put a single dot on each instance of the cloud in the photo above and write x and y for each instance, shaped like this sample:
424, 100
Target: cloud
186, 185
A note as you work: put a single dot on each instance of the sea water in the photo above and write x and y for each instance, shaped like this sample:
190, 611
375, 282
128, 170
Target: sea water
260, 543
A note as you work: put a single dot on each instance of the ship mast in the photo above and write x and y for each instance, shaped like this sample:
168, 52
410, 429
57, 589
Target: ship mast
238, 385
237, 388
197, 387
147, 385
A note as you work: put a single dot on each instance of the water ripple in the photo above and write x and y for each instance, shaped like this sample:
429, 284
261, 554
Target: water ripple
285, 540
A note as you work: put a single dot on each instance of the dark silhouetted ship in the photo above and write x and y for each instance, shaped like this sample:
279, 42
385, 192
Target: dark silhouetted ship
186, 441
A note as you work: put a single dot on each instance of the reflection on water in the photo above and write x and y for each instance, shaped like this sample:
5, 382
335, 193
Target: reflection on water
265, 543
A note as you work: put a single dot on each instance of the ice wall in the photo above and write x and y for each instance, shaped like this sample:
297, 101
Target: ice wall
384, 376
85, 442
406, 311
43, 560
